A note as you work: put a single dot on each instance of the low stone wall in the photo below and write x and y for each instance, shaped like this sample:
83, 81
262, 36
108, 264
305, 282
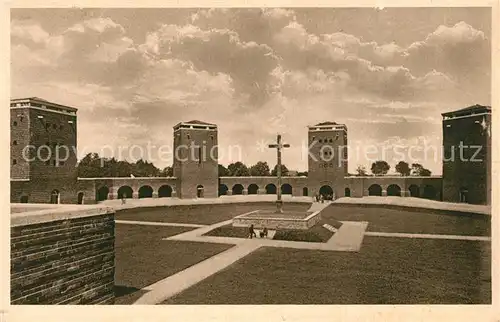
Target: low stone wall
276, 223
62, 255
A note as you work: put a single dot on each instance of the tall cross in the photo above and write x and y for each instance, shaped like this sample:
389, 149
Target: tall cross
279, 146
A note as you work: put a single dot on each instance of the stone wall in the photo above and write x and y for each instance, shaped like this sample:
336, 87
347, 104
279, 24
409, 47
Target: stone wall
62, 255
277, 223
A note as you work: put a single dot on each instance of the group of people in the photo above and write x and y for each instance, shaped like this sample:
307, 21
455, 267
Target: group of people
251, 232
322, 197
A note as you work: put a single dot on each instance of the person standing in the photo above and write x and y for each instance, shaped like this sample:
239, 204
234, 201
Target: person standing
251, 232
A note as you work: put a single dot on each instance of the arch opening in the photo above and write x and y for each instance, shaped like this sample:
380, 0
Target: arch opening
55, 196
165, 191
200, 191
463, 194
80, 198
305, 191
253, 189
286, 189
327, 192
414, 191
271, 189
237, 189
429, 192
145, 192
394, 190
125, 192
223, 189
347, 192
375, 190
102, 193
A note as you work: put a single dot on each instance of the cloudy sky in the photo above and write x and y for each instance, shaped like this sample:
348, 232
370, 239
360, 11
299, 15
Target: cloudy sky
134, 73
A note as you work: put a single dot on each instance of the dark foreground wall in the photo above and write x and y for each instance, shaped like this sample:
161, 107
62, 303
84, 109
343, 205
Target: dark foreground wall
62, 256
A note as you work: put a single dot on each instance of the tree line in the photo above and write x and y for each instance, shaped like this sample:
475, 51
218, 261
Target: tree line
94, 166
380, 168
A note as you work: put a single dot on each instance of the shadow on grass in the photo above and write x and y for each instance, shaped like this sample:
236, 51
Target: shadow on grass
127, 294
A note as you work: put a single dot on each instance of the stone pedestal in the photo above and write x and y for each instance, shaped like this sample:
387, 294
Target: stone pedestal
245, 191
155, 194
384, 193
135, 195
229, 192
405, 193
174, 193
261, 191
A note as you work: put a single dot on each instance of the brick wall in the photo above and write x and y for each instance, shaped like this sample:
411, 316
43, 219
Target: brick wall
62, 257
19, 138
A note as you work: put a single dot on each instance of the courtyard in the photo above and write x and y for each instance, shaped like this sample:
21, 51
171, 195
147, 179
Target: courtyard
169, 255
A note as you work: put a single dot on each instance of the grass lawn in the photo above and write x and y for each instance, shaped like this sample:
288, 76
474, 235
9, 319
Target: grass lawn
408, 221
143, 258
200, 214
385, 271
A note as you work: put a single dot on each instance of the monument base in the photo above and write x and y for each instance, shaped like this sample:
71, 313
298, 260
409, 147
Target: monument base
271, 220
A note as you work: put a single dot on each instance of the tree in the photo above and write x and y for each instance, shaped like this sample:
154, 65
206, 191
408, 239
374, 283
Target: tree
143, 168
167, 172
380, 168
238, 169
260, 169
403, 168
418, 170
284, 171
223, 172
361, 171
90, 166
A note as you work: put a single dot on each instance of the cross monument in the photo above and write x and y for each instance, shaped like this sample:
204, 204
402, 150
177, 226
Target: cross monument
279, 146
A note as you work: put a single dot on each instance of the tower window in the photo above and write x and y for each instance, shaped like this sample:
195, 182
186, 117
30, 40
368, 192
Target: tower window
14, 142
189, 137
54, 126
320, 141
15, 123
61, 127
14, 161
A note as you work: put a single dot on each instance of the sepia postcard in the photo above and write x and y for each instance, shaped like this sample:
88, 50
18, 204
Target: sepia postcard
251, 161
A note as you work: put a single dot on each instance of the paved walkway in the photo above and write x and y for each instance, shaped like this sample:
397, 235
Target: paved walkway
428, 236
416, 203
349, 236
154, 223
172, 285
159, 202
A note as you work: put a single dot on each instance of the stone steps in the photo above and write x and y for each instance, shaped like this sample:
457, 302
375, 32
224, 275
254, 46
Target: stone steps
330, 228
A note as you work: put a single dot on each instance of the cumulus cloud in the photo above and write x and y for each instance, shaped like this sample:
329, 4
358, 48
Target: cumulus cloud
218, 50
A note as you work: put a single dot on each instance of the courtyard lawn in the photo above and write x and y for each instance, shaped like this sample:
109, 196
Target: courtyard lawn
143, 258
411, 221
200, 214
385, 271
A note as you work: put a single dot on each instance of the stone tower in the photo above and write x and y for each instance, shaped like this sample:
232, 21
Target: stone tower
327, 159
43, 151
196, 159
467, 175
